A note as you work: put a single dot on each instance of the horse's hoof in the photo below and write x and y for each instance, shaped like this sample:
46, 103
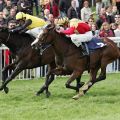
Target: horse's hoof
48, 94
1, 88
6, 90
76, 97
81, 84
37, 94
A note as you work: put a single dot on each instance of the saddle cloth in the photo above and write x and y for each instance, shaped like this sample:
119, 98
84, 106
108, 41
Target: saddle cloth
92, 42
95, 43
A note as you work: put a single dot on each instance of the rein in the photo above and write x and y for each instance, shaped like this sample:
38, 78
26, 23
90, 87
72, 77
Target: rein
43, 48
8, 37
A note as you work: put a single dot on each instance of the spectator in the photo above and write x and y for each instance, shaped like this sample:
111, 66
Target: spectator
109, 16
25, 6
73, 11
90, 21
2, 5
7, 8
12, 14
46, 14
118, 5
2, 21
51, 18
86, 11
14, 2
102, 18
53, 8
106, 2
117, 31
94, 30
99, 5
63, 7
106, 31
114, 10
36, 6
113, 27
12, 24
117, 19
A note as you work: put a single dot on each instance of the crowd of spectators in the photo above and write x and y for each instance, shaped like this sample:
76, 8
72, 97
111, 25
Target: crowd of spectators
104, 21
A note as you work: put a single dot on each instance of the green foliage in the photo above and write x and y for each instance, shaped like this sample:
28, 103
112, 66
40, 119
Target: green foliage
102, 102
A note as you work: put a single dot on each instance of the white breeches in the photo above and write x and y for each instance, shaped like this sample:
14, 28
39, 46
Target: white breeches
78, 38
35, 31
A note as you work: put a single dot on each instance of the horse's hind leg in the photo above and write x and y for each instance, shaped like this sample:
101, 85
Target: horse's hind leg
78, 83
104, 62
88, 85
102, 75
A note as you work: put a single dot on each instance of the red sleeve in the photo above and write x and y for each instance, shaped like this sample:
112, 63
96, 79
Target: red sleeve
69, 31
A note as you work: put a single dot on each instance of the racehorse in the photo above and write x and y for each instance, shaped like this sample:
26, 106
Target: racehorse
27, 58
72, 60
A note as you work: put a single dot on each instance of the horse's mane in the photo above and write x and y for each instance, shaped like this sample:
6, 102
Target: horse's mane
66, 39
24, 35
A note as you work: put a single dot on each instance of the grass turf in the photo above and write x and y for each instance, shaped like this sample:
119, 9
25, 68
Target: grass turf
102, 102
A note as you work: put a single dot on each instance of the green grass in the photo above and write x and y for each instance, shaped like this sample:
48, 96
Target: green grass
102, 102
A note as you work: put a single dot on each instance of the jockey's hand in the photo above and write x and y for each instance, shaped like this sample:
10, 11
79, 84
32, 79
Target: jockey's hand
16, 29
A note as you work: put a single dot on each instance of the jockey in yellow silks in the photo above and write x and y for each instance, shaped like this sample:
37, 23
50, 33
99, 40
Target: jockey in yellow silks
29, 23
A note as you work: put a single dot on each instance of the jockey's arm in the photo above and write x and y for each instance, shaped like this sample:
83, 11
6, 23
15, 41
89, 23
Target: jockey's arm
22, 27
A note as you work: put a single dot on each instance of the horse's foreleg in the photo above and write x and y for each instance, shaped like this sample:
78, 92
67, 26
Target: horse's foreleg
5, 71
5, 74
12, 76
74, 76
48, 80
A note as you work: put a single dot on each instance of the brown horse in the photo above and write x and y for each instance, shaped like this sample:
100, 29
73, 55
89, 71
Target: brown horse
71, 57
27, 58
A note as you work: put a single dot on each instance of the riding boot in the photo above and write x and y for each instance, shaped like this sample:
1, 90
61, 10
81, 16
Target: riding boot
85, 49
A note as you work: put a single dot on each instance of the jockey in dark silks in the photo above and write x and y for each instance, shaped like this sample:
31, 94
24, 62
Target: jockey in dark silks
31, 24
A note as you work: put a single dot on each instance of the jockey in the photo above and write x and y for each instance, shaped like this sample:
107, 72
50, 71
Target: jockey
79, 32
29, 23
62, 22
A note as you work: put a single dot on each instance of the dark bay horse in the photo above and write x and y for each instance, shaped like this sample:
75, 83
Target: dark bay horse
70, 57
27, 58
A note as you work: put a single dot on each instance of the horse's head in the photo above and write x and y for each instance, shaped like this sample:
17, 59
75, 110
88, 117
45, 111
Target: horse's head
46, 35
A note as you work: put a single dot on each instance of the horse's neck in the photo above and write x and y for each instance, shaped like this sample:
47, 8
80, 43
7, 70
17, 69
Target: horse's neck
14, 44
62, 48
59, 45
